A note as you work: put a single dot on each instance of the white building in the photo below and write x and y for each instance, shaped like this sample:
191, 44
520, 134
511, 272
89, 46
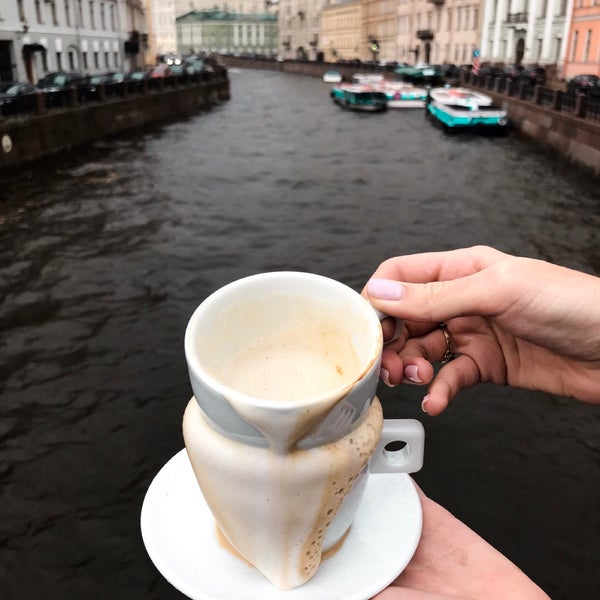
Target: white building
94, 36
164, 37
525, 31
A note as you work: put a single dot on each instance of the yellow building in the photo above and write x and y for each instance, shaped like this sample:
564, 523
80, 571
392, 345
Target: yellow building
380, 30
341, 30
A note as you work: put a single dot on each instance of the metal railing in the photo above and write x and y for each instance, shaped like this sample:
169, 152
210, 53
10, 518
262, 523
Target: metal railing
578, 105
80, 96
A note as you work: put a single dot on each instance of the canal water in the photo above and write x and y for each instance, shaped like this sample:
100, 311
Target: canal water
106, 253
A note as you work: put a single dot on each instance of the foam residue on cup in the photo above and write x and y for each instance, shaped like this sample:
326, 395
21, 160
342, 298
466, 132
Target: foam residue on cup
290, 351
275, 508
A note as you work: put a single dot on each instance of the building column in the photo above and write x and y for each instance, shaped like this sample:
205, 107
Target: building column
547, 39
530, 37
485, 28
498, 18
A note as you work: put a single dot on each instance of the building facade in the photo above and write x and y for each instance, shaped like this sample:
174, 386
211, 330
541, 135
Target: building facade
582, 55
300, 29
215, 31
525, 31
162, 35
183, 7
438, 32
341, 26
94, 36
379, 30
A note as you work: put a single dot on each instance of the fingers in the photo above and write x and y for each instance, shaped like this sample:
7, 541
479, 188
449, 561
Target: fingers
458, 374
437, 286
411, 362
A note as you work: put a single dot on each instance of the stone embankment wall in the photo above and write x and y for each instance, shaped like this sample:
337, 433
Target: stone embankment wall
29, 138
574, 138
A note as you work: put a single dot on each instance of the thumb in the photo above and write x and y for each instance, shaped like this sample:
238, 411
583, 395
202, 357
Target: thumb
436, 300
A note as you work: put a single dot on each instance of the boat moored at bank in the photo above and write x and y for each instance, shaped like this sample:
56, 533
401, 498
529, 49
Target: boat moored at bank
462, 108
402, 95
359, 97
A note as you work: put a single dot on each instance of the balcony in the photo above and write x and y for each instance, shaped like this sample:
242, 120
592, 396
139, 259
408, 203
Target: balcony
438, 3
425, 34
520, 17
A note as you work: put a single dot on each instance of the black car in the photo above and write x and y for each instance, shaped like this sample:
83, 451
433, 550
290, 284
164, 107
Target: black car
533, 75
56, 86
89, 87
589, 85
18, 98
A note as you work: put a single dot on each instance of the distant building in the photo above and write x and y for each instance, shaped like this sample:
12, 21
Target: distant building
299, 29
380, 30
525, 31
227, 33
94, 36
582, 55
183, 7
163, 38
341, 22
438, 31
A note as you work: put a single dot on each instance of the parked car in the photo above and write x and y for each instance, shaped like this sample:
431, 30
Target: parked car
55, 85
89, 86
159, 71
4, 85
19, 98
533, 75
589, 85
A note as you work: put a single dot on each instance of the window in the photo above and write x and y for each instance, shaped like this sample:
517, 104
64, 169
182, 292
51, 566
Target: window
80, 12
44, 61
92, 17
116, 59
71, 60
84, 57
102, 16
38, 11
67, 13
59, 66
96, 60
106, 60
21, 11
588, 43
574, 46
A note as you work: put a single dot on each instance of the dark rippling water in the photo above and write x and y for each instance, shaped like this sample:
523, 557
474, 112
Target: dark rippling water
105, 255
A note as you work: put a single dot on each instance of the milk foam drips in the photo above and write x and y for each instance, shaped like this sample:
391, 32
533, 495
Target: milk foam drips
273, 507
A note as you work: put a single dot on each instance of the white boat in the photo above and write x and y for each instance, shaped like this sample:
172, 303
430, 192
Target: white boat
456, 108
332, 77
401, 94
367, 78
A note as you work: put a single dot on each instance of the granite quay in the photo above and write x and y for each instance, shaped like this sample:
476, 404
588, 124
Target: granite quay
77, 121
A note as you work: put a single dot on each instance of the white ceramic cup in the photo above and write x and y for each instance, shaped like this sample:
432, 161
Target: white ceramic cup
284, 367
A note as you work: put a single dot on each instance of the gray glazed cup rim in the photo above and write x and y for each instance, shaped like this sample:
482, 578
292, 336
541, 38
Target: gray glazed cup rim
234, 289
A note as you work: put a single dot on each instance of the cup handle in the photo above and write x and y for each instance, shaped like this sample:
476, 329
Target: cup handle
407, 459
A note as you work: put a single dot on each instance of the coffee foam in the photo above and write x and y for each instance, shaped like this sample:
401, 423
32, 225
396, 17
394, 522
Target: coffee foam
275, 508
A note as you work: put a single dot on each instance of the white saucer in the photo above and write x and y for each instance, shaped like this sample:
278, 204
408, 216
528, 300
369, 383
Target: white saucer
179, 532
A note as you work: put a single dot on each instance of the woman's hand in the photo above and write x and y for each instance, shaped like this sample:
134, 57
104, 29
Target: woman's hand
512, 321
453, 563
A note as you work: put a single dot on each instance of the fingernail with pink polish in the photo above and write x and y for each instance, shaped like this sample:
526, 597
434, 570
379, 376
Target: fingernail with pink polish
411, 372
424, 403
384, 374
385, 289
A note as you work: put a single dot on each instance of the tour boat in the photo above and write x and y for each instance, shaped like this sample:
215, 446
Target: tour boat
332, 77
359, 97
402, 95
462, 108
